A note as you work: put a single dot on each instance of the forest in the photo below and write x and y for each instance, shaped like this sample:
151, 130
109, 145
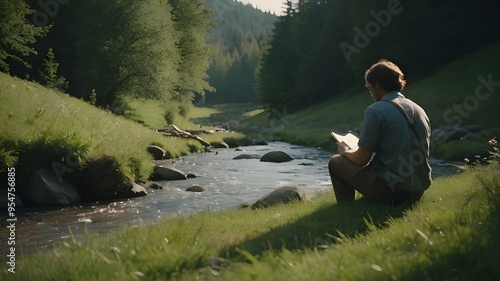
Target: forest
222, 51
173, 51
103, 51
321, 48
240, 38
95, 61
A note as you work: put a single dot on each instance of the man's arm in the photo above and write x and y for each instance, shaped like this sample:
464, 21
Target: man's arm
360, 156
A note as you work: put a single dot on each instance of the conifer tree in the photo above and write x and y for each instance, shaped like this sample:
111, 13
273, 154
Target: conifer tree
48, 74
275, 77
239, 37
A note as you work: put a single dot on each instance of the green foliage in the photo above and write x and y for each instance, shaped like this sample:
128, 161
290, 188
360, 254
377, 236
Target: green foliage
8, 158
126, 48
319, 49
276, 74
459, 150
48, 76
449, 87
169, 117
239, 37
123, 49
16, 35
42, 128
192, 22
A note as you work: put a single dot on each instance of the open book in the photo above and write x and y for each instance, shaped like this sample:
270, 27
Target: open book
349, 139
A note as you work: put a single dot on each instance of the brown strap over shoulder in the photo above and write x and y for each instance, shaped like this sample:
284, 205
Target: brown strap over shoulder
400, 108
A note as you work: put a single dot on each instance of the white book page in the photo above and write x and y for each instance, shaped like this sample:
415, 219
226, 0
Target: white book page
349, 139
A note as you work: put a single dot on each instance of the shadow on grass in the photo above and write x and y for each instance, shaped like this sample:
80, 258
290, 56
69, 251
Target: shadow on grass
321, 228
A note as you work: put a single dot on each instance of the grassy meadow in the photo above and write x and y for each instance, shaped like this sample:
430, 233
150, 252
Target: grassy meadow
450, 235
40, 126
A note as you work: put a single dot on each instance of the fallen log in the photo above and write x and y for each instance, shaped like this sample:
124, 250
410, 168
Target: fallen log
174, 131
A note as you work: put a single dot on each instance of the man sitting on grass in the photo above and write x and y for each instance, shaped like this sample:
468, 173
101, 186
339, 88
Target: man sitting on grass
390, 164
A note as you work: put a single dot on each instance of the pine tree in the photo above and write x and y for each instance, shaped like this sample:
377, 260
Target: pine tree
320, 73
239, 38
16, 35
275, 77
48, 75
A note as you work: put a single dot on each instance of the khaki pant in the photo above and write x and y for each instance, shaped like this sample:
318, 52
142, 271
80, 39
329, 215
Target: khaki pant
348, 177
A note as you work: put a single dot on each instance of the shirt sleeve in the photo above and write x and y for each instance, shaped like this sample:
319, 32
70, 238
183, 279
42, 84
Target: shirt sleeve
370, 132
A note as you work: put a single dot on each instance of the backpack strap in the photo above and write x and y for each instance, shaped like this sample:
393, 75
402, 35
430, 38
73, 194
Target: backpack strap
400, 108
411, 122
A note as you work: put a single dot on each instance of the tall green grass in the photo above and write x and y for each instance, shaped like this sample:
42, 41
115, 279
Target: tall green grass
40, 126
450, 235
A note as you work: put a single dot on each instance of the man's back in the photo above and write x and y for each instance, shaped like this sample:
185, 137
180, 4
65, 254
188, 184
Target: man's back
401, 158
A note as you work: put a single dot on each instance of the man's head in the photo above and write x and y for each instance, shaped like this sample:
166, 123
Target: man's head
382, 77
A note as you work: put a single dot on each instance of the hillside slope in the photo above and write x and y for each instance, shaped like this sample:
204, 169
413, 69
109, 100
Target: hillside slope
448, 96
40, 127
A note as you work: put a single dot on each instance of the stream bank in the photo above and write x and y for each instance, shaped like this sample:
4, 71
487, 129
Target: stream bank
228, 183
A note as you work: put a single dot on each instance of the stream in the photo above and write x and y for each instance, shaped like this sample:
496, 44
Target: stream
229, 184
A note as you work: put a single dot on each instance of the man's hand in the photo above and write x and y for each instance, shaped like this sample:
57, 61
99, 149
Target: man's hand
360, 156
342, 147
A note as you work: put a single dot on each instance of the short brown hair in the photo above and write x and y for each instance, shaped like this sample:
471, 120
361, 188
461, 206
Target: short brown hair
387, 74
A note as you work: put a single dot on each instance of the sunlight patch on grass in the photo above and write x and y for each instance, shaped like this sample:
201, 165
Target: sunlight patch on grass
253, 113
200, 112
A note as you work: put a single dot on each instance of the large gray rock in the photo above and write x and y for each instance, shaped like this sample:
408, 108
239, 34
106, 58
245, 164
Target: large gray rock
276, 157
101, 179
164, 173
45, 188
282, 195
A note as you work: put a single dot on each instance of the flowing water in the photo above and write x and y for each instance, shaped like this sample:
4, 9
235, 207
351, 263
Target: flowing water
229, 183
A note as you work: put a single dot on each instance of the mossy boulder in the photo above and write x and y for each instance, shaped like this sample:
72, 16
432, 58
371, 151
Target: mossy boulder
101, 179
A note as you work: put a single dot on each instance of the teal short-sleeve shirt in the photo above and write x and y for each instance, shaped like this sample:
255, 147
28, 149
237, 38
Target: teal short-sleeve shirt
401, 157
